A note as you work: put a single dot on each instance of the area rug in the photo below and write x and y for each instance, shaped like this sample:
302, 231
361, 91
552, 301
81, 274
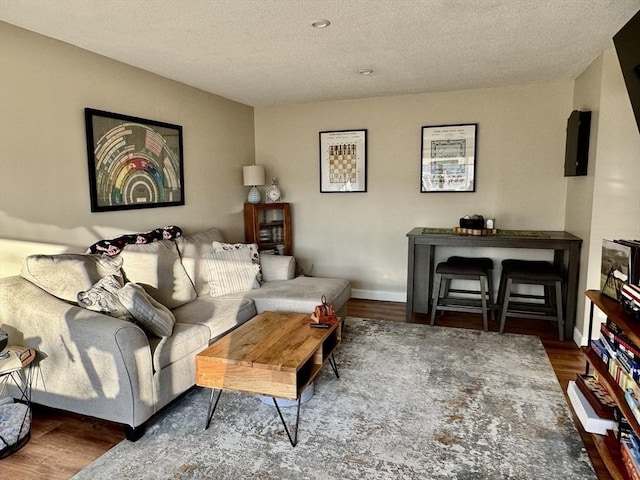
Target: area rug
412, 402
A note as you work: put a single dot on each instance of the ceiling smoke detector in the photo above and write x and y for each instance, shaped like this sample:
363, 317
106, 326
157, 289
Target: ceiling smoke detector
321, 24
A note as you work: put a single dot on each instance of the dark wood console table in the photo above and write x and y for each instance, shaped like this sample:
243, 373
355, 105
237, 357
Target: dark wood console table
424, 241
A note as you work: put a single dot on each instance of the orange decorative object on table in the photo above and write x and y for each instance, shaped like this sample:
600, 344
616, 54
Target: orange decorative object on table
324, 313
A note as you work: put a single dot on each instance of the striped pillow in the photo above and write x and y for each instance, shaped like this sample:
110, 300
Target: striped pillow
231, 271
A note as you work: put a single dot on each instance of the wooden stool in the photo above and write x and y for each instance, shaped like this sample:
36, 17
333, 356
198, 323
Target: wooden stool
464, 268
531, 272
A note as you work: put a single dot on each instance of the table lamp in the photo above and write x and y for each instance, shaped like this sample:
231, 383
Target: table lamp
253, 176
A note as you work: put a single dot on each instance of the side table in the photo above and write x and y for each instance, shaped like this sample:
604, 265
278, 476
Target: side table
15, 417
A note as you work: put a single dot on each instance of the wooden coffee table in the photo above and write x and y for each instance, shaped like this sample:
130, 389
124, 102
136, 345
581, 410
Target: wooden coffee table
274, 354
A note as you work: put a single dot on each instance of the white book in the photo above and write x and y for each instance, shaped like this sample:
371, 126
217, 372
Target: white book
591, 422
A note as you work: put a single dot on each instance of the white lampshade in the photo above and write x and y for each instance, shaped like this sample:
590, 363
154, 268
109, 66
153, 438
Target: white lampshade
253, 175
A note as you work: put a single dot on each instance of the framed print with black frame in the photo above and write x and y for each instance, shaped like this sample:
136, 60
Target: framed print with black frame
133, 162
448, 162
343, 161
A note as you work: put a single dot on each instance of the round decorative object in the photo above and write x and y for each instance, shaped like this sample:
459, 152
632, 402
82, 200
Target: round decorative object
273, 192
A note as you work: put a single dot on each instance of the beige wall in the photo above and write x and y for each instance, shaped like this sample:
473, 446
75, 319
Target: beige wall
44, 194
362, 236
45, 86
615, 209
579, 201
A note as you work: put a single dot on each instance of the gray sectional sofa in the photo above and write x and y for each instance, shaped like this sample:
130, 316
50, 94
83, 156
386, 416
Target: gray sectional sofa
94, 364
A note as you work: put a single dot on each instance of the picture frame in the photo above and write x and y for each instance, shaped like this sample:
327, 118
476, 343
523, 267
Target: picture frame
343, 161
614, 268
448, 160
133, 162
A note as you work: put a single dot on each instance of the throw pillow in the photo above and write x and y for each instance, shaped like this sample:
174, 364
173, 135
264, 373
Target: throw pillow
253, 253
157, 267
66, 274
191, 249
231, 271
103, 297
152, 316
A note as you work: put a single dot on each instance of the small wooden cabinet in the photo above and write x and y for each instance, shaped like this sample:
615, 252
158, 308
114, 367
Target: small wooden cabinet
614, 311
268, 225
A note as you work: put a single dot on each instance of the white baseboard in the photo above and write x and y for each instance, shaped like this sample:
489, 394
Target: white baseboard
379, 295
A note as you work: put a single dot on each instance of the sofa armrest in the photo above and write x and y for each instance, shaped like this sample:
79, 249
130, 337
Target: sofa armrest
87, 362
277, 267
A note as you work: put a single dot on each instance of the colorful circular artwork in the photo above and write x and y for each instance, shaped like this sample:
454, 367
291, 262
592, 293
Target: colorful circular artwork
135, 165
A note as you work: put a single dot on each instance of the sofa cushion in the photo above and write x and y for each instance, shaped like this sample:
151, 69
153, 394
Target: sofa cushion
218, 314
231, 271
153, 317
66, 274
301, 294
277, 267
187, 339
103, 297
254, 254
157, 267
191, 249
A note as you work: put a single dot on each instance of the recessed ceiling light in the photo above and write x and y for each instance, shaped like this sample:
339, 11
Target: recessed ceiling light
321, 23
366, 71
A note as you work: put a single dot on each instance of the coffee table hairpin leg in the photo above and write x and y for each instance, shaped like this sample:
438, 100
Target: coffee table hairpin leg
294, 440
334, 365
212, 406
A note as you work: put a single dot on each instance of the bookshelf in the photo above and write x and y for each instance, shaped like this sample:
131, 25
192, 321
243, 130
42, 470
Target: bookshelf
614, 311
268, 225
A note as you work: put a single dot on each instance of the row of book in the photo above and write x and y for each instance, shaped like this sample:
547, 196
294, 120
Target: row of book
622, 358
629, 450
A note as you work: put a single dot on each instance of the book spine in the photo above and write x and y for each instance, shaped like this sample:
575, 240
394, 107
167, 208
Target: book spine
633, 404
627, 460
629, 365
635, 442
600, 350
608, 345
619, 340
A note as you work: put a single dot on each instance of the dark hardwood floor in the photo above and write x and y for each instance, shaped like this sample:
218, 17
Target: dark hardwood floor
63, 443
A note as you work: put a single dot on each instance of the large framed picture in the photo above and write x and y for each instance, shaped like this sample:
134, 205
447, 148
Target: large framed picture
448, 162
133, 162
343, 161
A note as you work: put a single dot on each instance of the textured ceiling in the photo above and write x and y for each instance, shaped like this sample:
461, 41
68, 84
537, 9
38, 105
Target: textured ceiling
264, 52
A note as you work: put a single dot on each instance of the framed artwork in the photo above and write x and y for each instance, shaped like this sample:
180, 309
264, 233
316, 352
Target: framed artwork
615, 267
448, 162
343, 161
133, 162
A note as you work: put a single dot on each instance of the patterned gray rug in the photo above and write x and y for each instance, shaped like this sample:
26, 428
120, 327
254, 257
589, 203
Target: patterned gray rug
412, 402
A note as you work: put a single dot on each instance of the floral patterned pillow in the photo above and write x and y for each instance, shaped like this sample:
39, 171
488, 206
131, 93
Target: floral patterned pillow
103, 297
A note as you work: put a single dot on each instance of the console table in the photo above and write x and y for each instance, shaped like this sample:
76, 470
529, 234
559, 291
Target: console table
424, 241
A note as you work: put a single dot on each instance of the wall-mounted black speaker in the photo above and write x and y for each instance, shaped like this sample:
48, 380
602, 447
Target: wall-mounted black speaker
577, 150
